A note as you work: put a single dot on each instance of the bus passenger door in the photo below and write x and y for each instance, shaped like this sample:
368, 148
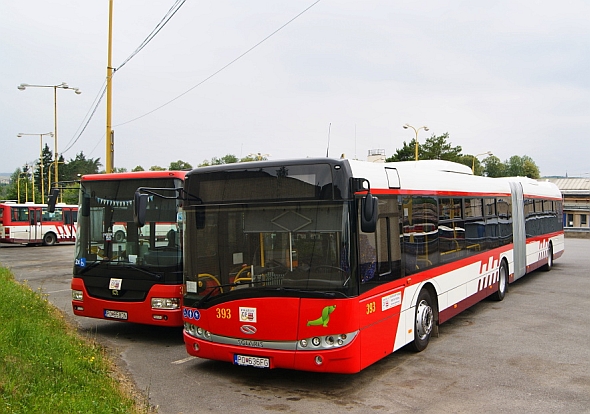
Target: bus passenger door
35, 230
69, 222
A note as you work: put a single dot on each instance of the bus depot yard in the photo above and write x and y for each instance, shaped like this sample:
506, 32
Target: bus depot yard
528, 353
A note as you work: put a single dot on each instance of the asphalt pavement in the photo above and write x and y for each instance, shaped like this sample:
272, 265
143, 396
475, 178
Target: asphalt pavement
528, 354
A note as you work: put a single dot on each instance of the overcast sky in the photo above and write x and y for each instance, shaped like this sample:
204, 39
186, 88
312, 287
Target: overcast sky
510, 77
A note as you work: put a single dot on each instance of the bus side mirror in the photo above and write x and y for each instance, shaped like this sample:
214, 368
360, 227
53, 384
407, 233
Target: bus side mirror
139, 208
85, 208
52, 200
369, 213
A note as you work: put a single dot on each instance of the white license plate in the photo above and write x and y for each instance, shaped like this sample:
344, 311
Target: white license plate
115, 314
250, 361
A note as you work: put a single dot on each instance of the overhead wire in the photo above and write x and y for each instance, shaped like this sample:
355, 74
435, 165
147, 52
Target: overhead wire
169, 14
222, 68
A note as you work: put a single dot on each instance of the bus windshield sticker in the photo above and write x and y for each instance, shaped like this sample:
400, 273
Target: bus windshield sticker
324, 319
115, 284
247, 314
191, 286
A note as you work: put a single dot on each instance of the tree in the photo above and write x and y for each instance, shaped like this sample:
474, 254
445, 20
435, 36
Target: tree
493, 167
11, 191
227, 159
529, 168
47, 158
120, 170
138, 168
434, 148
157, 168
437, 148
406, 153
180, 165
72, 170
522, 167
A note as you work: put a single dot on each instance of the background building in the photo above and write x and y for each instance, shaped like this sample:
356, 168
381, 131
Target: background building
576, 205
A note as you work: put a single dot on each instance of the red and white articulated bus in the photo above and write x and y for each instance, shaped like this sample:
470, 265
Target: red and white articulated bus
330, 265
32, 224
123, 272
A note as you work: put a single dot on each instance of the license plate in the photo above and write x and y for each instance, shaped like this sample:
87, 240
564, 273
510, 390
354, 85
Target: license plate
250, 361
115, 314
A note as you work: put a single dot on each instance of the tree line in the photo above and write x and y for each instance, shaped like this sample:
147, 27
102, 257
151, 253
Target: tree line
32, 179
440, 148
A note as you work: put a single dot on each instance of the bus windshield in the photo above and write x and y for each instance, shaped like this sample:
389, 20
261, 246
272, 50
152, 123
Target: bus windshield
107, 232
248, 249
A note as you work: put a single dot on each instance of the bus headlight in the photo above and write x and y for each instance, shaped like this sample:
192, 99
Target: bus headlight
77, 295
165, 303
197, 331
326, 342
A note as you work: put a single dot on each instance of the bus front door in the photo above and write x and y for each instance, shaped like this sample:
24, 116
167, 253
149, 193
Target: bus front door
35, 230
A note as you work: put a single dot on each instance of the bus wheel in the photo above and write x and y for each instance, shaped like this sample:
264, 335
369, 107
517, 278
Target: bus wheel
424, 321
549, 264
49, 239
502, 282
119, 236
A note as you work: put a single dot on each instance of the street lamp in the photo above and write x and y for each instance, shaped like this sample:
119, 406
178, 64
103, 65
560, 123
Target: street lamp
20, 135
475, 156
62, 85
425, 128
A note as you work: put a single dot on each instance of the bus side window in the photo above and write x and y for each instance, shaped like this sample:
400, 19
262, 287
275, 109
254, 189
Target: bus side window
367, 257
380, 252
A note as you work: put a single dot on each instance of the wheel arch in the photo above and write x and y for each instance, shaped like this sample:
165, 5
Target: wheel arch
51, 234
431, 288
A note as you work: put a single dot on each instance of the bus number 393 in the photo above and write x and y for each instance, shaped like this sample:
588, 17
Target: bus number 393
223, 313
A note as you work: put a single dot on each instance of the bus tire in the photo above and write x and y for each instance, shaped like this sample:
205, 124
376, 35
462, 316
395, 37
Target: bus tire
119, 236
549, 264
423, 321
49, 239
502, 282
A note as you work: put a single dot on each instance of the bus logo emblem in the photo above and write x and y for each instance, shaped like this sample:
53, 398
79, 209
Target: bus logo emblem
248, 329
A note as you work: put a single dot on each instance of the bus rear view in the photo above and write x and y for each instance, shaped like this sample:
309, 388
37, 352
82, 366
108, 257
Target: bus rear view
123, 272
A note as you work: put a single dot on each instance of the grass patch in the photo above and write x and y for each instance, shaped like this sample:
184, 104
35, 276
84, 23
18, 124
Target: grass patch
46, 366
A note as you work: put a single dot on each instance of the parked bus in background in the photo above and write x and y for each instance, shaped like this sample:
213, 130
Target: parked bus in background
30, 223
330, 265
123, 272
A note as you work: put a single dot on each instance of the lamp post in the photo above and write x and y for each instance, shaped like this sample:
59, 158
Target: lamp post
26, 187
62, 85
475, 156
425, 128
40, 165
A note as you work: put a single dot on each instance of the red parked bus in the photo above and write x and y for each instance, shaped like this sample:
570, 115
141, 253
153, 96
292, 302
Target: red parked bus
123, 272
330, 265
31, 224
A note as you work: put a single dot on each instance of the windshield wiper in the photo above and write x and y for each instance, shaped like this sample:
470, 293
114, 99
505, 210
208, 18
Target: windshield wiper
316, 292
214, 289
217, 287
147, 272
88, 267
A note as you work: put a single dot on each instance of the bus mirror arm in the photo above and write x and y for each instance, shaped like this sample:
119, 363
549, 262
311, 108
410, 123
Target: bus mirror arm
184, 196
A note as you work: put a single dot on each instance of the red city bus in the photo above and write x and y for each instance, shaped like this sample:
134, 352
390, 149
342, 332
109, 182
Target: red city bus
123, 272
32, 224
330, 265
